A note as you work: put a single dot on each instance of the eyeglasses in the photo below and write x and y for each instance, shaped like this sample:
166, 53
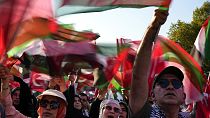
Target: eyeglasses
53, 104
165, 83
116, 110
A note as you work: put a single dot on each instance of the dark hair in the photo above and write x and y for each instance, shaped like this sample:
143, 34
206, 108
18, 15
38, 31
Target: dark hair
126, 107
77, 97
83, 94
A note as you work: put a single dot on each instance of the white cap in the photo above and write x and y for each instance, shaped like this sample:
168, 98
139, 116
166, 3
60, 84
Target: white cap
53, 92
109, 101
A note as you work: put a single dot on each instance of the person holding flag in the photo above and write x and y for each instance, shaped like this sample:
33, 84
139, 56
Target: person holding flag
52, 103
167, 90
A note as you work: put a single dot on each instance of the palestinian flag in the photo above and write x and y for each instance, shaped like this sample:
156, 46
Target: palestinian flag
111, 59
120, 79
32, 36
203, 107
14, 13
47, 56
68, 34
48, 47
201, 50
84, 6
23, 21
166, 52
126, 55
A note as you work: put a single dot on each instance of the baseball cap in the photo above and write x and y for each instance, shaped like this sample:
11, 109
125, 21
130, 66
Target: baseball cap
53, 92
169, 70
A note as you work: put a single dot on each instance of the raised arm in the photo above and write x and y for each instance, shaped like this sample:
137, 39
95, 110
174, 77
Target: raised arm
6, 99
139, 84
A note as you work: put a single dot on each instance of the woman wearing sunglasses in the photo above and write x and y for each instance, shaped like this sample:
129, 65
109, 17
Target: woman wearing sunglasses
52, 103
109, 108
168, 92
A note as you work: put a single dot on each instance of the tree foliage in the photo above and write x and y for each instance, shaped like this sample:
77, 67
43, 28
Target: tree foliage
186, 33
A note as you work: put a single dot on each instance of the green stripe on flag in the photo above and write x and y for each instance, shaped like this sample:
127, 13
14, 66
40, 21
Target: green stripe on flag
207, 44
169, 56
116, 85
66, 10
163, 8
19, 48
84, 6
187, 61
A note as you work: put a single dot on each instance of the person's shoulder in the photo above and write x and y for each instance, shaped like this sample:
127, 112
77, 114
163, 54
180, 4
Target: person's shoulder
185, 114
144, 112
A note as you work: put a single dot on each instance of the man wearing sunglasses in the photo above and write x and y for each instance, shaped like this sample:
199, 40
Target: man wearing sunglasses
167, 91
52, 103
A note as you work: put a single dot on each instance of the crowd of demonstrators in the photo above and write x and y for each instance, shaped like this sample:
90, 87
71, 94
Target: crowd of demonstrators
52, 103
57, 101
62, 101
167, 92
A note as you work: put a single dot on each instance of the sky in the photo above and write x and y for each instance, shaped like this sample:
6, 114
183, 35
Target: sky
130, 23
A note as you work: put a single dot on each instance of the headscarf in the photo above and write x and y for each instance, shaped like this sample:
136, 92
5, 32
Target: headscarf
106, 102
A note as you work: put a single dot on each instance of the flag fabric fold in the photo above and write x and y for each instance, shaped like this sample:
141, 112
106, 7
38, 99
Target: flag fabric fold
84, 6
23, 21
14, 12
200, 51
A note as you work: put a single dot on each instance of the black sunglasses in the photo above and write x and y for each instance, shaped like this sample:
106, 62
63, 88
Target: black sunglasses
53, 104
116, 110
165, 83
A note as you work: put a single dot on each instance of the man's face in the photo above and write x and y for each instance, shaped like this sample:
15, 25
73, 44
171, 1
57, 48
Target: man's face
111, 111
169, 91
49, 106
84, 101
16, 97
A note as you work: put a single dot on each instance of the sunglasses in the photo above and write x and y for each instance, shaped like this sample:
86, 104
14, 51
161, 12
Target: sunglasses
165, 83
53, 104
116, 110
